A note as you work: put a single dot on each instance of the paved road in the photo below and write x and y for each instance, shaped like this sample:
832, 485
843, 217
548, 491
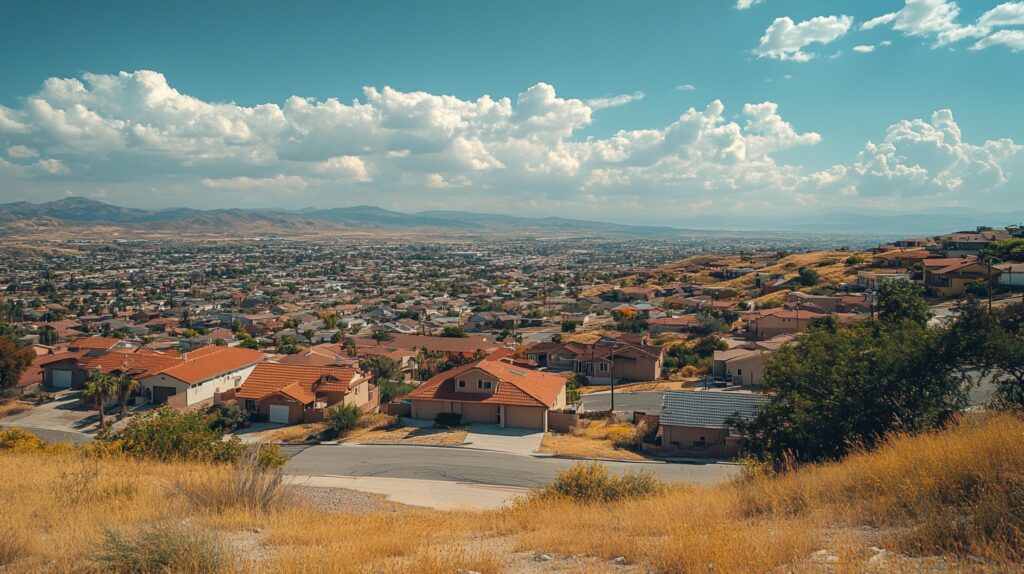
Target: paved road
647, 402
53, 434
461, 465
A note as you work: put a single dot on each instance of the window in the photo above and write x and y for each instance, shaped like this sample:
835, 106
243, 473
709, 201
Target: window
462, 384
604, 367
250, 405
483, 384
739, 372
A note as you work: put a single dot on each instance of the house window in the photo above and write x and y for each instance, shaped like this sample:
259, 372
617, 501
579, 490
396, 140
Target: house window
531, 357
739, 372
462, 384
250, 405
483, 384
604, 367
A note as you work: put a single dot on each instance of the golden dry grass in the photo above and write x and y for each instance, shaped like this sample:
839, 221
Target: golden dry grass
592, 439
956, 494
407, 435
830, 265
295, 433
10, 407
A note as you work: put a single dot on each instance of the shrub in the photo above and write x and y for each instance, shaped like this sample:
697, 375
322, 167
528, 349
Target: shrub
621, 436
254, 483
593, 483
163, 548
228, 418
19, 441
448, 420
170, 434
391, 390
341, 418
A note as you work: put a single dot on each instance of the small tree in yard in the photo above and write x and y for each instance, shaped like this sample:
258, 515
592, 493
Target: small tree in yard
99, 388
569, 326
14, 360
808, 277
342, 418
126, 385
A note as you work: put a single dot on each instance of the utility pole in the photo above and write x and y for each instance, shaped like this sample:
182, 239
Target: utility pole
611, 371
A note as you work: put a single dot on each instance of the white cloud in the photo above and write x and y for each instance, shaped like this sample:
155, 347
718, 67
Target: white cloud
745, 4
21, 152
685, 88
143, 142
938, 19
1013, 39
862, 49
615, 101
785, 40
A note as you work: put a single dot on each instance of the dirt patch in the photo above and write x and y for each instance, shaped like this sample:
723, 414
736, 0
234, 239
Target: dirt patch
407, 435
593, 439
344, 500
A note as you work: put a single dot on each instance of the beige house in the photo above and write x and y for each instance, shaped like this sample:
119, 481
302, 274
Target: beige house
291, 394
696, 422
493, 392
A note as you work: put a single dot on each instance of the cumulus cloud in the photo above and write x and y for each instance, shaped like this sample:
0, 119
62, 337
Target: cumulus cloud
919, 158
786, 40
143, 142
745, 4
938, 19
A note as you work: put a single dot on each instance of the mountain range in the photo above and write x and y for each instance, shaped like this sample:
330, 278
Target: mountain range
83, 215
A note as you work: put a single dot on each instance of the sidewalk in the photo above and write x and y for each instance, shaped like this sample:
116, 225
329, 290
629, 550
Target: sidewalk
437, 494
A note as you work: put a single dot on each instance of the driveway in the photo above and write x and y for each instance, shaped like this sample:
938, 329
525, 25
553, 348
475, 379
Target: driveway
510, 440
65, 419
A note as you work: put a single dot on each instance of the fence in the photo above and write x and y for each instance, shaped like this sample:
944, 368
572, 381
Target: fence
398, 409
561, 422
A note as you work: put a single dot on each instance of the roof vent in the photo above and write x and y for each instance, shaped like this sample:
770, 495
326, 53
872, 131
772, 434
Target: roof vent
520, 373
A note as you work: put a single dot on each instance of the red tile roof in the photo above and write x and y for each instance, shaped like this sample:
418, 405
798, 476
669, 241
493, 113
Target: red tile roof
208, 362
269, 378
103, 343
513, 386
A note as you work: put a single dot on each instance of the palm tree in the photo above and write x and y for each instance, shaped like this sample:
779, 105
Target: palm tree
99, 388
126, 385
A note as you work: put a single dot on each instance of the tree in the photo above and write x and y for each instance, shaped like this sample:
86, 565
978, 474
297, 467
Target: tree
382, 368
808, 277
380, 336
99, 388
572, 387
569, 326
48, 335
993, 345
1008, 250
455, 332
336, 337
841, 389
330, 321
14, 361
250, 343
900, 300
126, 385
708, 344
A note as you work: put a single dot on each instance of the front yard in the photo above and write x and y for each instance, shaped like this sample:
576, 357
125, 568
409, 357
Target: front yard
594, 439
372, 428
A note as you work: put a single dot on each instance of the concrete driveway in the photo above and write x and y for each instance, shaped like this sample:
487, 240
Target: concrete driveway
65, 419
510, 440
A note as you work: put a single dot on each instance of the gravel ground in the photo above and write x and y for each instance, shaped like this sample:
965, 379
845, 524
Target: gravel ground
345, 501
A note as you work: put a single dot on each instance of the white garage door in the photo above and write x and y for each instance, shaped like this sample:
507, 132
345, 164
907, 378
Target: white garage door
279, 414
61, 379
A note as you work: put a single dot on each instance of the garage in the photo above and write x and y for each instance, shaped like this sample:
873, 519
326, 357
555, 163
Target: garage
479, 413
524, 417
160, 394
279, 414
428, 410
60, 379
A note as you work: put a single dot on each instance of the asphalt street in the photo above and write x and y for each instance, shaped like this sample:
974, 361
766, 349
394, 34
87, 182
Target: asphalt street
646, 402
472, 466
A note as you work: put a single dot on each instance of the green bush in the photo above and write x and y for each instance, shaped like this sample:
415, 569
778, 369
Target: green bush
170, 434
228, 418
391, 390
165, 547
448, 420
341, 418
593, 483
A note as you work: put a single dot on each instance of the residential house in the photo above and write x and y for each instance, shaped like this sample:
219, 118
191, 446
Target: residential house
602, 361
780, 321
950, 277
682, 324
490, 391
292, 394
696, 422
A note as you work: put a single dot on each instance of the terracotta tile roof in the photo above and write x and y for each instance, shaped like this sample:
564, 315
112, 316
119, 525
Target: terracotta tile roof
103, 343
513, 386
138, 364
269, 378
208, 362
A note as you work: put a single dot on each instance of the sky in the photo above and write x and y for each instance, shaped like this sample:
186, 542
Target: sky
645, 111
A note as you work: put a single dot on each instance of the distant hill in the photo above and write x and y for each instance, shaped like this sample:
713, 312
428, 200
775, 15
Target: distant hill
81, 213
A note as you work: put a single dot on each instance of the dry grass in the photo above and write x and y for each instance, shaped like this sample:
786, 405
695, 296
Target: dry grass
830, 265
295, 433
646, 387
408, 435
957, 494
9, 407
593, 439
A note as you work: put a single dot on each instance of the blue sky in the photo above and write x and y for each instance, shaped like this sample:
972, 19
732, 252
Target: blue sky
596, 121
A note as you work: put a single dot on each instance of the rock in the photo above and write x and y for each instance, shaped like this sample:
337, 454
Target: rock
256, 530
881, 555
824, 556
621, 560
542, 558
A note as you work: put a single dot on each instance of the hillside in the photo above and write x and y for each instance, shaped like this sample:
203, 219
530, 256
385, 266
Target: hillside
949, 501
